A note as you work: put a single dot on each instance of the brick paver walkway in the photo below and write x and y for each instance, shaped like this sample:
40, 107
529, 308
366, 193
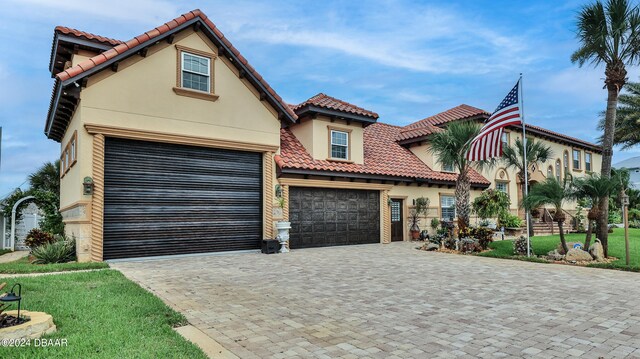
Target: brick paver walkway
392, 301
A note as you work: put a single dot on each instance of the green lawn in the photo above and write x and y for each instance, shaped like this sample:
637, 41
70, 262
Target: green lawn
23, 266
102, 314
542, 245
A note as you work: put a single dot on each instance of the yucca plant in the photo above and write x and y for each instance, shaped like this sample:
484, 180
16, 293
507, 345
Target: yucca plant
60, 251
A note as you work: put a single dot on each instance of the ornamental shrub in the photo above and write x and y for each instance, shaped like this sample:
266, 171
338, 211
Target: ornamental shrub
520, 246
60, 251
508, 220
484, 236
37, 237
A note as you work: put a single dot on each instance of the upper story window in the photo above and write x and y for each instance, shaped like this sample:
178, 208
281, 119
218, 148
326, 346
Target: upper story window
505, 139
565, 163
69, 155
502, 186
339, 143
558, 170
587, 162
447, 167
550, 172
195, 74
576, 159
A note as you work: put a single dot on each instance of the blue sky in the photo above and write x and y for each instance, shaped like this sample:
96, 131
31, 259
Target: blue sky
405, 60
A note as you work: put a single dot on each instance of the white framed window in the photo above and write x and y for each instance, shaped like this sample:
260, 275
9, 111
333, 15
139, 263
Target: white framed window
502, 186
550, 172
558, 170
587, 162
339, 144
565, 162
447, 207
447, 167
505, 139
196, 72
576, 159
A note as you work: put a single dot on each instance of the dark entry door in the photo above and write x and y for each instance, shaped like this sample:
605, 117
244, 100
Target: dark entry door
323, 217
397, 225
164, 199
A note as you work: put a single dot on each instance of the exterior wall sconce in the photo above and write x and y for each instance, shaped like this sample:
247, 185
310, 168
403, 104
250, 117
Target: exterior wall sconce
87, 186
12, 297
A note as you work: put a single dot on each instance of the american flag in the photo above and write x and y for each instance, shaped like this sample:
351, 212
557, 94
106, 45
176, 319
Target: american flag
488, 143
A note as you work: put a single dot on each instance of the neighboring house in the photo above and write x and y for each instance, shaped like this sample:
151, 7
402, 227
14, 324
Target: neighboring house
633, 165
184, 143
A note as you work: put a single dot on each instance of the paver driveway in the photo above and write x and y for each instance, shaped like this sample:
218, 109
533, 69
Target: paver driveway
387, 301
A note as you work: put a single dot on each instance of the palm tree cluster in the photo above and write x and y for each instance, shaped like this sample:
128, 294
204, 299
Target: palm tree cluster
609, 35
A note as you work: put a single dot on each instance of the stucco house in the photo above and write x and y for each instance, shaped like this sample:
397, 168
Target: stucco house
181, 144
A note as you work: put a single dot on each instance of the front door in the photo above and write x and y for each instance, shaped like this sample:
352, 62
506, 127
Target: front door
397, 227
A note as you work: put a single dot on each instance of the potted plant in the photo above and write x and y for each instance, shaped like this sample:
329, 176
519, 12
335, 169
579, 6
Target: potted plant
420, 209
282, 226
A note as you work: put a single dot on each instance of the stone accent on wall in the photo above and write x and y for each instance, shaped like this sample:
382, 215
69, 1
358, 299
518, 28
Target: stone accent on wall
97, 201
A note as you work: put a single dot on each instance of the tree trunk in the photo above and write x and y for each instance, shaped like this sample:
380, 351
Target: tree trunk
587, 241
615, 78
562, 240
463, 188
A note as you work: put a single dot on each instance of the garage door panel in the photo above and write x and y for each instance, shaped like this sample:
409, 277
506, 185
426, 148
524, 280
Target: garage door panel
327, 217
164, 199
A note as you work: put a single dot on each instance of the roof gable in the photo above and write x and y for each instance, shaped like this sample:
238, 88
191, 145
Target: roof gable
69, 81
333, 107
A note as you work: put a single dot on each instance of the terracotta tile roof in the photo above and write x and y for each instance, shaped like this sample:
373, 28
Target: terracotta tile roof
428, 125
382, 156
332, 103
425, 130
457, 113
148, 37
88, 36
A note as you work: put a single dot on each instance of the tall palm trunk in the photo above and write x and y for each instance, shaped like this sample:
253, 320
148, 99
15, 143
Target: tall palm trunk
615, 78
463, 188
562, 239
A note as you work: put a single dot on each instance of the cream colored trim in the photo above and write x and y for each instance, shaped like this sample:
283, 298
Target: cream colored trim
112, 131
267, 183
298, 182
440, 194
339, 129
195, 94
285, 196
97, 200
74, 205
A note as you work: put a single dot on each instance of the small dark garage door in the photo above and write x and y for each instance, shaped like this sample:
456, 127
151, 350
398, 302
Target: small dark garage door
165, 199
331, 217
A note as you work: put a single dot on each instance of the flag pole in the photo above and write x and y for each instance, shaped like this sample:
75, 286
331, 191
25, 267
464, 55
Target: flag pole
526, 165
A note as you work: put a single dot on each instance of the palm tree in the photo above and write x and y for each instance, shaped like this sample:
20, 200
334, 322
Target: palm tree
594, 187
513, 157
450, 147
46, 178
555, 193
610, 35
627, 117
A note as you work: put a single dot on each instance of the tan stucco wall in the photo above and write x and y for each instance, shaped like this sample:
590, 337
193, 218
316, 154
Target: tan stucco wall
314, 136
140, 96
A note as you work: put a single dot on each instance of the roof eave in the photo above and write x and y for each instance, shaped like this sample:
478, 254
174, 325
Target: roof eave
313, 109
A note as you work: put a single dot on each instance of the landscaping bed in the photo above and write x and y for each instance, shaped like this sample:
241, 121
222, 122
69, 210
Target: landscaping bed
544, 244
102, 314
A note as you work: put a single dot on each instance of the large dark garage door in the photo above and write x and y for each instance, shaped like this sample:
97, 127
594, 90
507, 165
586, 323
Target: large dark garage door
164, 199
331, 217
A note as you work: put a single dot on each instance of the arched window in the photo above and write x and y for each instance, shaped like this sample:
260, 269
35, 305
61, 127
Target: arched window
565, 162
550, 172
558, 170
